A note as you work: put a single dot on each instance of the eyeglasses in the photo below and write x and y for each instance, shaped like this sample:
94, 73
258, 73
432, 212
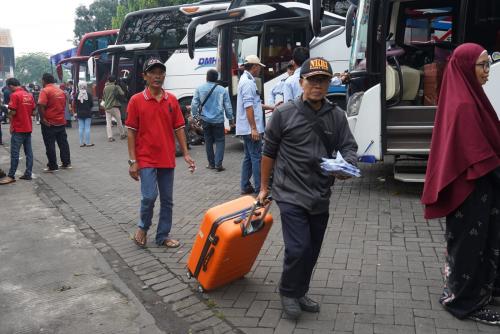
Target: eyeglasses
485, 65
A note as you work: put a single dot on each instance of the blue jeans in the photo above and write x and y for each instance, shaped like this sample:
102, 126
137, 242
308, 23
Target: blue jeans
16, 140
251, 163
214, 133
154, 180
84, 130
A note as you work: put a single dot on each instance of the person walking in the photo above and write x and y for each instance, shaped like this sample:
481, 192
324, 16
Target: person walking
210, 101
83, 106
112, 94
293, 149
153, 118
292, 88
21, 106
250, 124
51, 105
462, 183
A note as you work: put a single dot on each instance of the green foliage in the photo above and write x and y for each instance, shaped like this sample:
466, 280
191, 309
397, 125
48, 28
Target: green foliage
96, 17
127, 6
31, 66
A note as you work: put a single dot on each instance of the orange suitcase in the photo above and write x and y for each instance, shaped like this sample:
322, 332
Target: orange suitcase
228, 242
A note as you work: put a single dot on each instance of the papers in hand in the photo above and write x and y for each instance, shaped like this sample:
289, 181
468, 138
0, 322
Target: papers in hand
339, 166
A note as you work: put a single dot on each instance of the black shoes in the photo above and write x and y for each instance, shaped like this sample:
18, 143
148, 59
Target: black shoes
293, 307
308, 305
486, 316
248, 191
220, 169
25, 177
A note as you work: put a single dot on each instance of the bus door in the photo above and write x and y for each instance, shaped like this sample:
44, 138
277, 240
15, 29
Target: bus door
280, 37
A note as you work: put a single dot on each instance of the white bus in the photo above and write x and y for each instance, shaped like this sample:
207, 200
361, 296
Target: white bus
158, 32
399, 51
270, 31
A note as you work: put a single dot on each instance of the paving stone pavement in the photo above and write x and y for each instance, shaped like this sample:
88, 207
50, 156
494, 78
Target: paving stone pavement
380, 269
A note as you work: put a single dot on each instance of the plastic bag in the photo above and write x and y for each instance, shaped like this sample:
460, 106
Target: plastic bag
339, 166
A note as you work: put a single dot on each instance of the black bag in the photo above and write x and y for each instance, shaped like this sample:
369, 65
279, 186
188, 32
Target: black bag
119, 97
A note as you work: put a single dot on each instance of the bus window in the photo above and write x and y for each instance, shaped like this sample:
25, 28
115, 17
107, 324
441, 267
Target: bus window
428, 25
163, 30
88, 47
484, 24
360, 38
279, 42
246, 40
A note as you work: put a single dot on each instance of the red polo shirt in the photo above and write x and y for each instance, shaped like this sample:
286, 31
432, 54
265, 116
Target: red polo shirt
155, 123
54, 100
22, 102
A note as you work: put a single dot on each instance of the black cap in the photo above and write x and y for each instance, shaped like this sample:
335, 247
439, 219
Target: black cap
316, 66
152, 62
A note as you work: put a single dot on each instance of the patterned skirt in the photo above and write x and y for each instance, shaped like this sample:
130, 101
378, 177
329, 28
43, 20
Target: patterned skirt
473, 250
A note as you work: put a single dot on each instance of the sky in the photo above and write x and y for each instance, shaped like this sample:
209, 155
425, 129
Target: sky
40, 25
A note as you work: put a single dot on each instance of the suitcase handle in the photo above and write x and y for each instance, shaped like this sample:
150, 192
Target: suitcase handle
247, 226
207, 258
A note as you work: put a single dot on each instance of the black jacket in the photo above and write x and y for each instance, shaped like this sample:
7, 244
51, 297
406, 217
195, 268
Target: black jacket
84, 110
297, 150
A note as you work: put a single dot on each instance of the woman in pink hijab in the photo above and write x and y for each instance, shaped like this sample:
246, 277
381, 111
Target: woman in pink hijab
463, 185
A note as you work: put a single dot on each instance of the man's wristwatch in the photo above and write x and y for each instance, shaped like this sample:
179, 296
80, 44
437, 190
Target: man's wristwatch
131, 162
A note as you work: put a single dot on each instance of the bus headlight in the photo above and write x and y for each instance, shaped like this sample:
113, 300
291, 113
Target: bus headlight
354, 103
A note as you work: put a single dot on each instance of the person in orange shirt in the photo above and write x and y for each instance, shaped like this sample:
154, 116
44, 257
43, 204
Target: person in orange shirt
51, 105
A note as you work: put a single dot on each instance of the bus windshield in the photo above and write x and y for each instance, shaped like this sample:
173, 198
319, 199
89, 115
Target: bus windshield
360, 37
91, 44
163, 29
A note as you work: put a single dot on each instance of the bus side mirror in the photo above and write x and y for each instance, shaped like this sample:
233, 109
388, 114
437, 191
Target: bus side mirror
316, 11
349, 24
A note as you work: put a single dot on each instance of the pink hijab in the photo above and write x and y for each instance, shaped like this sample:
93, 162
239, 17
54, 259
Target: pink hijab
466, 137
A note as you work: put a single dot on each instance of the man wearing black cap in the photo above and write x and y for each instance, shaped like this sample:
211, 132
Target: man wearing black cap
294, 147
154, 116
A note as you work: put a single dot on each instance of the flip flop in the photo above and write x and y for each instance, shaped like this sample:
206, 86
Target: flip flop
137, 241
171, 243
7, 180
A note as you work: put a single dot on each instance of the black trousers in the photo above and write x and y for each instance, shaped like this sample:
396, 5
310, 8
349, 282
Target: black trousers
51, 135
473, 250
303, 235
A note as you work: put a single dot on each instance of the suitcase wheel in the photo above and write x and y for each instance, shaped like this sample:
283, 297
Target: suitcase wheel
200, 289
188, 274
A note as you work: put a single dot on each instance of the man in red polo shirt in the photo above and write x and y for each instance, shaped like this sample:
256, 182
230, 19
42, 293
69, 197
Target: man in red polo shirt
153, 117
51, 104
21, 106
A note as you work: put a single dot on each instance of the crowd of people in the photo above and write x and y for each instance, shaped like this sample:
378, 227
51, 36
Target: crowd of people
462, 182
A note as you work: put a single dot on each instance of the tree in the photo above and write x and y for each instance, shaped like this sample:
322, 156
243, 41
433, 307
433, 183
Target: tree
30, 67
96, 17
127, 6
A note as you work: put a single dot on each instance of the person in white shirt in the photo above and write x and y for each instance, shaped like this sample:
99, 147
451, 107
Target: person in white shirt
292, 88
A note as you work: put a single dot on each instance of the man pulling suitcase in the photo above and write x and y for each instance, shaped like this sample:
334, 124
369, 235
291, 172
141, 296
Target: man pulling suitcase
293, 148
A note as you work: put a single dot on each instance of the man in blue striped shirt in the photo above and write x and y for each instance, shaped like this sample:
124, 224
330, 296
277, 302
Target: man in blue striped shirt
216, 101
